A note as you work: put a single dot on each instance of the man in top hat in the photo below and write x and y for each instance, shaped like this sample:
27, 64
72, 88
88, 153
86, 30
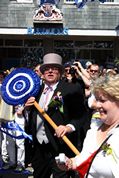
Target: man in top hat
64, 103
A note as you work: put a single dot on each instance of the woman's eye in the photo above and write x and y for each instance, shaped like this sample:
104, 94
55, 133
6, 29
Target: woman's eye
102, 100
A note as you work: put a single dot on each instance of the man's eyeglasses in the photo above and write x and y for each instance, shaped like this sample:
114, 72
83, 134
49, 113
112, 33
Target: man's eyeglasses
46, 69
95, 71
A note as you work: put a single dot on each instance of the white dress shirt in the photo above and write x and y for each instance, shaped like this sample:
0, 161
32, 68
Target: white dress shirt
43, 102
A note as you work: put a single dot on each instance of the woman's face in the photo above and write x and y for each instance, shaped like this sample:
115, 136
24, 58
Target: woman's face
108, 109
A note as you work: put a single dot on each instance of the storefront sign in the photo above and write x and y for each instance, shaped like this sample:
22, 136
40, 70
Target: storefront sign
47, 31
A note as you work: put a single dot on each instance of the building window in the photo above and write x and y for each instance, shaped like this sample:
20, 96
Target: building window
112, 1
99, 51
12, 43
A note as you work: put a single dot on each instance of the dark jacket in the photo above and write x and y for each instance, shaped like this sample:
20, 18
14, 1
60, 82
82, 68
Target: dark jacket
74, 112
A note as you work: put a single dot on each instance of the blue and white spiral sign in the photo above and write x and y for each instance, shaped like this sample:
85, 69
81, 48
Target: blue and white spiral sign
19, 85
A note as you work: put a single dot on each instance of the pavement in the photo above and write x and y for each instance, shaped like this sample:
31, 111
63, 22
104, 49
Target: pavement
28, 173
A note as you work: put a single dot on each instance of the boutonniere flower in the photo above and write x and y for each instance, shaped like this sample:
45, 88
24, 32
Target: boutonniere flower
107, 150
57, 102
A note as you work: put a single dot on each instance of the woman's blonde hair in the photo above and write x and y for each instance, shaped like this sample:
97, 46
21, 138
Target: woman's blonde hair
109, 85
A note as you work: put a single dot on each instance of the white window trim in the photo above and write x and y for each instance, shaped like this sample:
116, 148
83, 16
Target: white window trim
69, 2
110, 3
25, 1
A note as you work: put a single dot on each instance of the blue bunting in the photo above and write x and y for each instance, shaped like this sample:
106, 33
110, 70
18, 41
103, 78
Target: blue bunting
102, 1
79, 4
13, 126
47, 1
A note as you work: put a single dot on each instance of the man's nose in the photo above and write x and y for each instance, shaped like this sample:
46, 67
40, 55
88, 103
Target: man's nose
50, 69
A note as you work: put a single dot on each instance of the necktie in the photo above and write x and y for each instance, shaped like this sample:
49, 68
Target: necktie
47, 92
44, 100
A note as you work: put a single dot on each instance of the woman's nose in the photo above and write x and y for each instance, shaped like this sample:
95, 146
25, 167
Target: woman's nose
98, 104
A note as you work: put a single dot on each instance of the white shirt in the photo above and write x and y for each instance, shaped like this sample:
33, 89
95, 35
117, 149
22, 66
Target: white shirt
43, 102
103, 165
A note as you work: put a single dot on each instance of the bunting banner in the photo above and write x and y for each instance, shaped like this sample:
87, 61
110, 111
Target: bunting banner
80, 3
13, 126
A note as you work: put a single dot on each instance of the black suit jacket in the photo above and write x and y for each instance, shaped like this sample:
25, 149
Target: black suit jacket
74, 113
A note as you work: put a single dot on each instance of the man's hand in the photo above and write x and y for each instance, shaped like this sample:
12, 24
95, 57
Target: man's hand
62, 130
30, 101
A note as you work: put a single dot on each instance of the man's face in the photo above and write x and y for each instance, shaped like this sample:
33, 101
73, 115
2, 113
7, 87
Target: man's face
51, 75
66, 72
94, 71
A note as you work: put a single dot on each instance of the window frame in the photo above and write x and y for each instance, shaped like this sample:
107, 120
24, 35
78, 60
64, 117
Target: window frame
24, 1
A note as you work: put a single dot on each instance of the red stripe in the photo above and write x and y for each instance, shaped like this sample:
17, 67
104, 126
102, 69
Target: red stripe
83, 167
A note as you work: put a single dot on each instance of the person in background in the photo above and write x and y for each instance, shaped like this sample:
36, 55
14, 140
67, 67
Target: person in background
7, 154
87, 65
77, 74
69, 116
81, 73
101, 141
111, 72
94, 71
74, 72
20, 143
37, 70
2, 76
67, 75
13, 150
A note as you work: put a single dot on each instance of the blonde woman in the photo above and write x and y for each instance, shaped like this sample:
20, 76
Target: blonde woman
101, 142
